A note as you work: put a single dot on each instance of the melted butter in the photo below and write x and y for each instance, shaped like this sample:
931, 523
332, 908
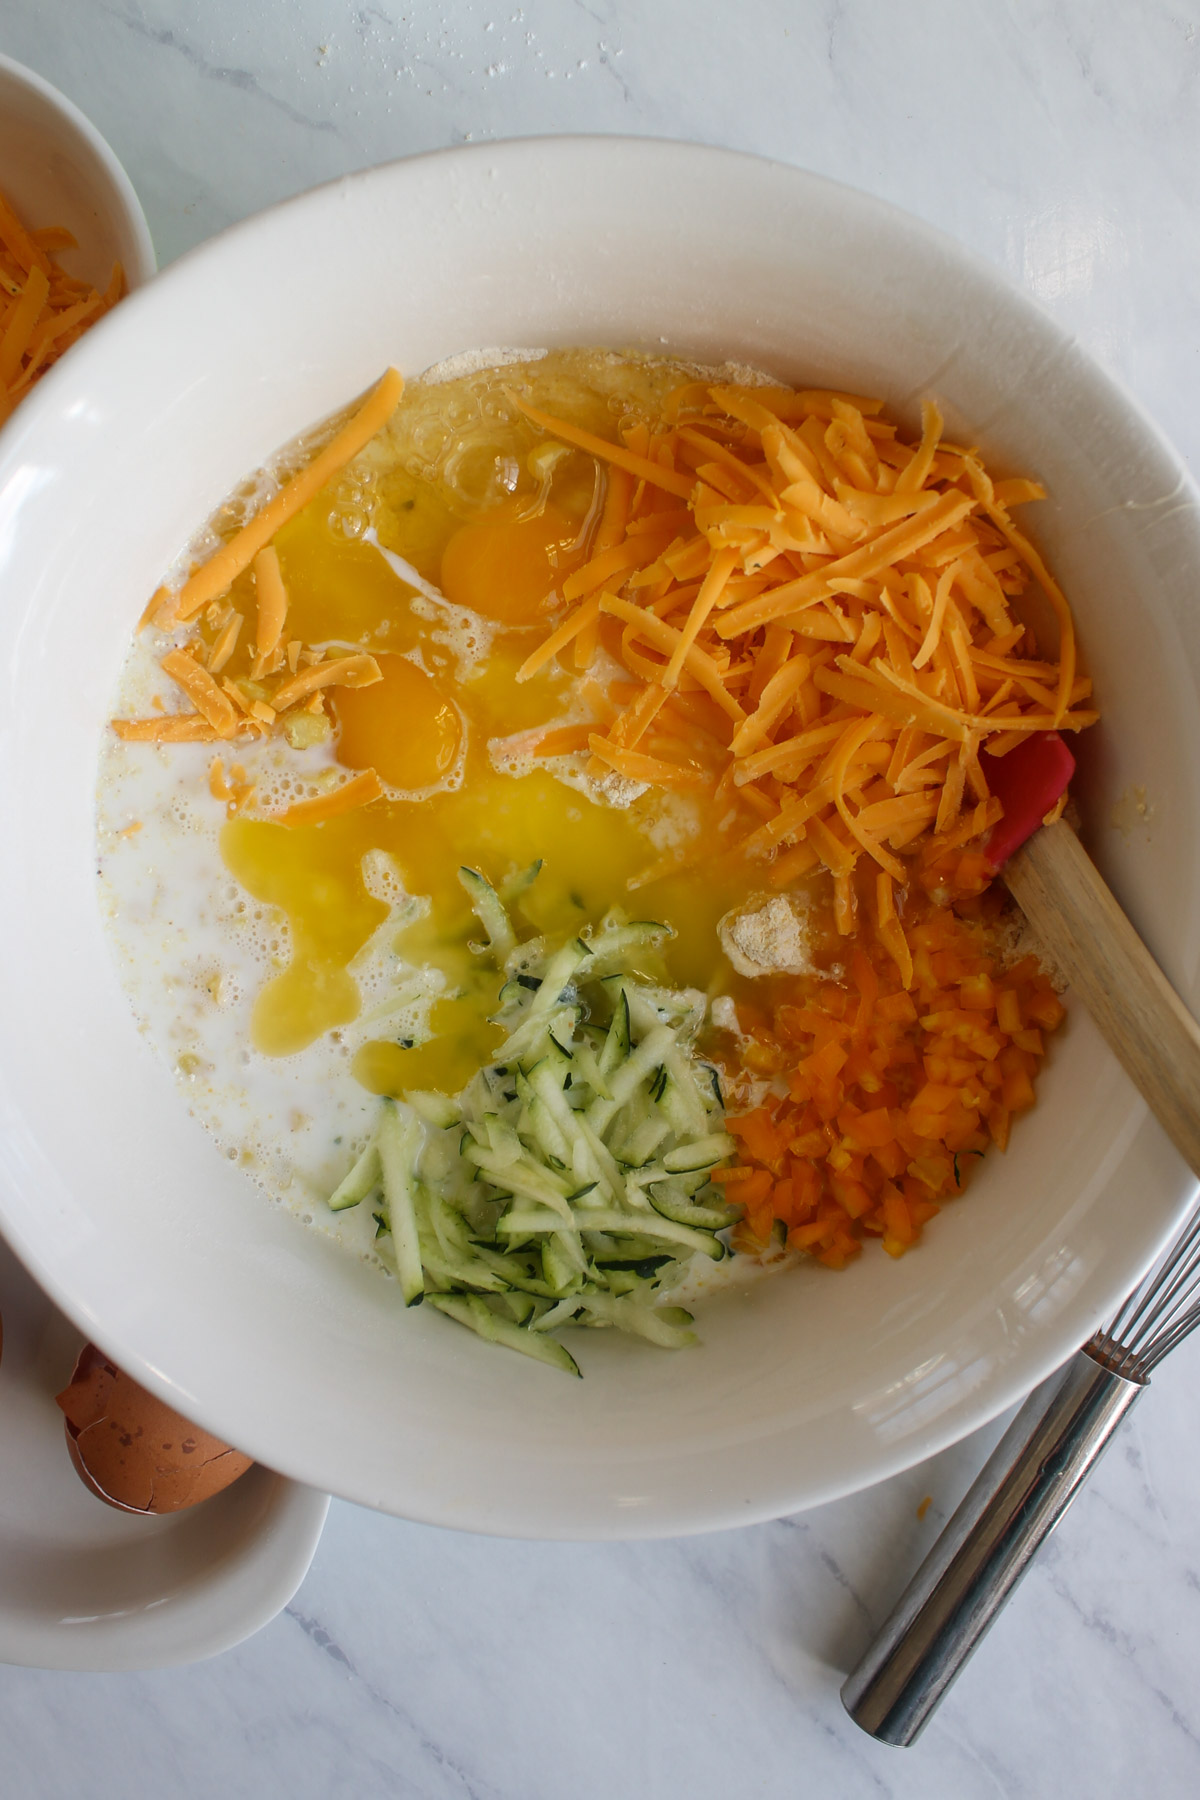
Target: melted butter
341, 589
313, 876
494, 823
404, 727
457, 488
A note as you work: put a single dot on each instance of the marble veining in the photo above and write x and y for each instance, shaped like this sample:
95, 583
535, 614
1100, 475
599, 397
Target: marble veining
1060, 139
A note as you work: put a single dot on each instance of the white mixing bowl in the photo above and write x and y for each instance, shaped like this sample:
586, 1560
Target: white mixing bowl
123, 1208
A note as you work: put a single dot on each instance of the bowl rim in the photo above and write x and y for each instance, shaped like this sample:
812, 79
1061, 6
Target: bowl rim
143, 265
184, 1601
1023, 1372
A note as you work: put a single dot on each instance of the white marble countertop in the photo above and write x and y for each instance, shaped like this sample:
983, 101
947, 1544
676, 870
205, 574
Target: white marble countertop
1061, 139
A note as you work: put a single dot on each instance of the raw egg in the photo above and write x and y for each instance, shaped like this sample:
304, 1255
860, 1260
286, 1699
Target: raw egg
403, 727
506, 567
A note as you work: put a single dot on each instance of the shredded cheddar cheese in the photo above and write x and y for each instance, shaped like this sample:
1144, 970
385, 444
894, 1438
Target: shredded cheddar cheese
360, 790
657, 474
167, 728
226, 709
202, 691
43, 310
834, 604
343, 671
237, 792
214, 577
272, 608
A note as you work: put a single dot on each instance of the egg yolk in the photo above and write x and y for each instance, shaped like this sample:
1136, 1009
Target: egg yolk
506, 567
403, 727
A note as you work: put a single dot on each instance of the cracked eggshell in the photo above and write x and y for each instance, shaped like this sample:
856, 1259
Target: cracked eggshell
134, 1452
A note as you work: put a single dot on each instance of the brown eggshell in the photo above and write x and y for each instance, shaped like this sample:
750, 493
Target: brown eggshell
134, 1452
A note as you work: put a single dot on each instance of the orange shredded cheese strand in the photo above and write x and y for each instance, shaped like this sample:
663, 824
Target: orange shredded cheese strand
42, 309
654, 769
215, 576
665, 638
167, 728
789, 821
1057, 599
792, 865
938, 613
563, 740
583, 617
225, 644
777, 695
911, 479
272, 600
21, 323
202, 691
360, 790
711, 588
632, 725
853, 739
799, 749
620, 559
889, 547
357, 671
53, 326
889, 928
639, 466
831, 850
22, 247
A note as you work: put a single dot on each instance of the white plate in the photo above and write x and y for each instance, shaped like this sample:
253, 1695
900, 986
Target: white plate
85, 1587
157, 1247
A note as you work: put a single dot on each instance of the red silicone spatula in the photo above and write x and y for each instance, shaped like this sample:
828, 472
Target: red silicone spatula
1063, 895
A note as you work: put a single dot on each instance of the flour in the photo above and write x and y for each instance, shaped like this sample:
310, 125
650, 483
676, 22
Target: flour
768, 938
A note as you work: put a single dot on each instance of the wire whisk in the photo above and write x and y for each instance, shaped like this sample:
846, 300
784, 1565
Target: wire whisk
1157, 1315
1018, 1497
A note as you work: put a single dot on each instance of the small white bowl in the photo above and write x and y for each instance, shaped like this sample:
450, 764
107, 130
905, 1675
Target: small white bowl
56, 169
82, 1586
85, 1587
158, 1248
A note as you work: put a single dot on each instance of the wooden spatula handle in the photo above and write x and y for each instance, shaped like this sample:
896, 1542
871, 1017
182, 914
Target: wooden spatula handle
1063, 895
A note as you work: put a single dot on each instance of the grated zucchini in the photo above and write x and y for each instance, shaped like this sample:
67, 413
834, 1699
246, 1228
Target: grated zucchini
568, 1180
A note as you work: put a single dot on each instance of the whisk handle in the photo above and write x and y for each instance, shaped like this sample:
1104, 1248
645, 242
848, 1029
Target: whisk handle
1017, 1499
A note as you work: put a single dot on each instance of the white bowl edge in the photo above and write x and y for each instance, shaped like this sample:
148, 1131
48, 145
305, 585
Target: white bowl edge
101, 197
